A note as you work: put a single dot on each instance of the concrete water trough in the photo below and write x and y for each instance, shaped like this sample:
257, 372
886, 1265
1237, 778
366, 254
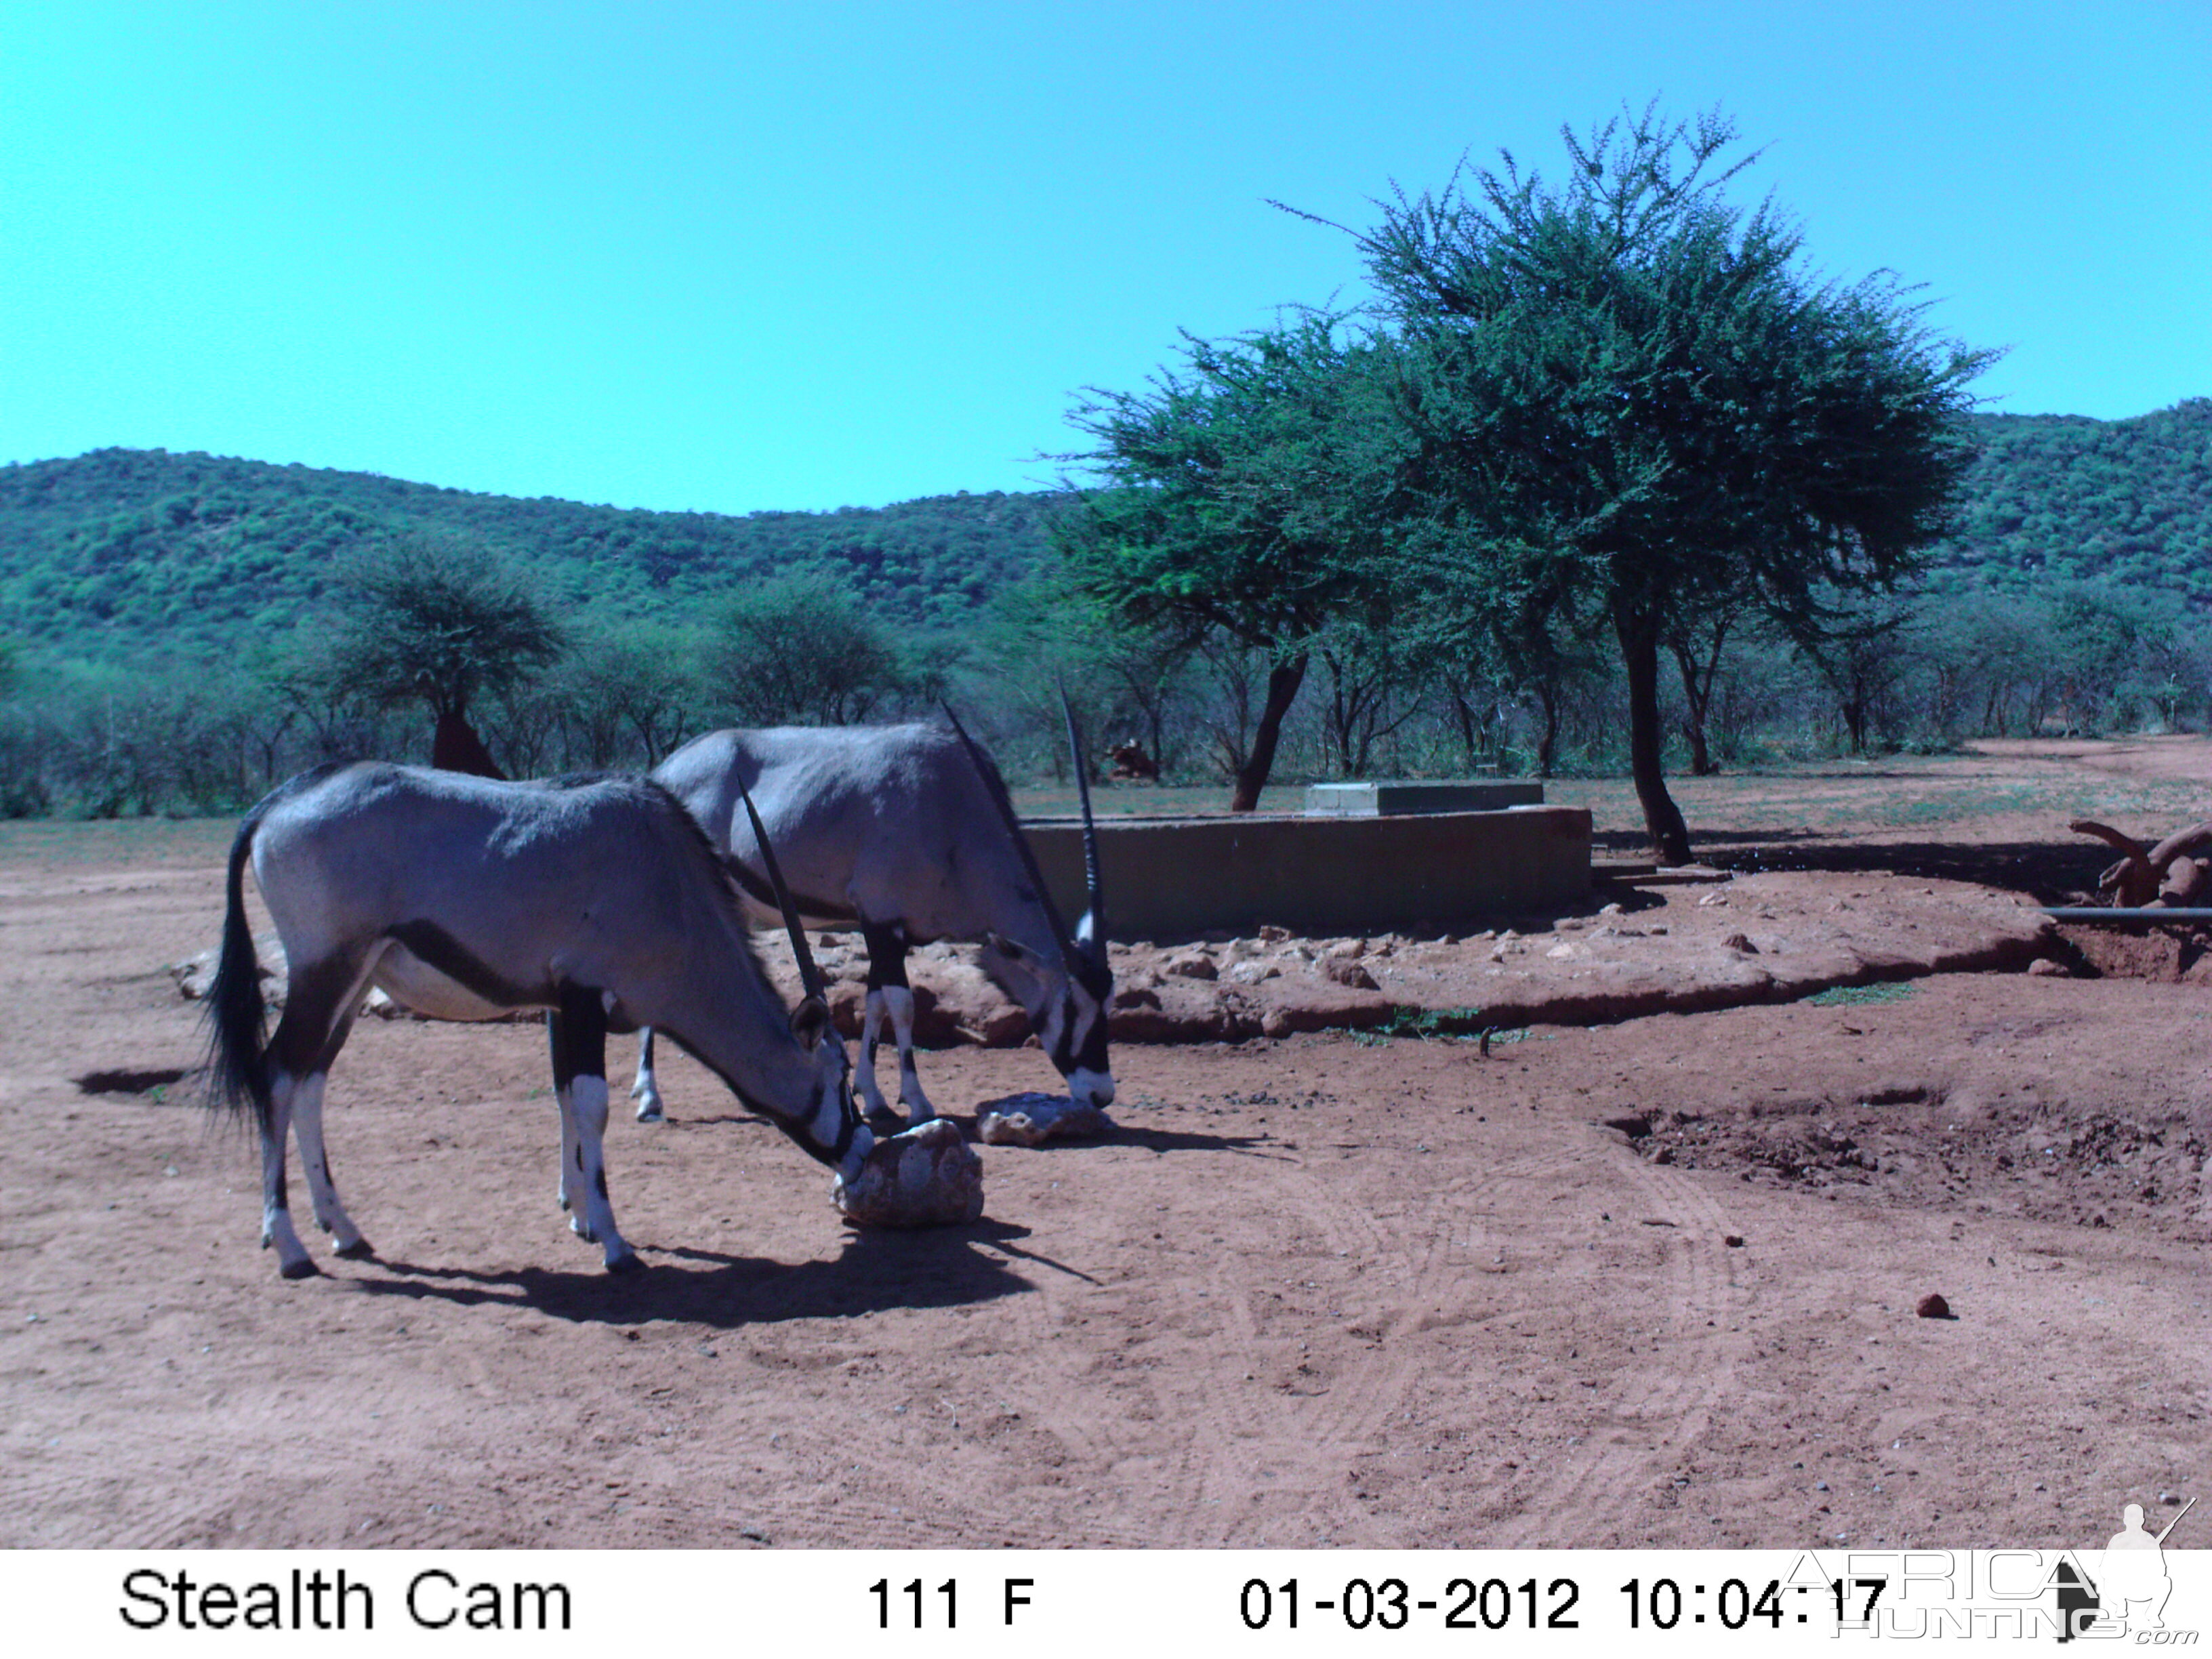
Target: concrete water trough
1322, 873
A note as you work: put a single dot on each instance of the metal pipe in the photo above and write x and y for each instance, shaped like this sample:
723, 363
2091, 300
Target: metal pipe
2112, 916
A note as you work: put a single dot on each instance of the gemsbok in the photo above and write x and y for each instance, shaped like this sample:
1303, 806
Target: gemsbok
596, 899
908, 833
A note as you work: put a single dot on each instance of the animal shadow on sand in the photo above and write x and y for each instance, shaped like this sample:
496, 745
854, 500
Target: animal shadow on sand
1182, 1140
933, 1268
1120, 1133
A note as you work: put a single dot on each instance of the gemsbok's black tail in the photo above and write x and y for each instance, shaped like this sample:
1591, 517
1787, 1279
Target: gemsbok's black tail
238, 1068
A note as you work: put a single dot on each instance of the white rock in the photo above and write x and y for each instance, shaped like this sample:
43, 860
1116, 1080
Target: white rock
1027, 1120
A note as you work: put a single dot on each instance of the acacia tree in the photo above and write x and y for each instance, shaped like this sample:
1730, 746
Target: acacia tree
436, 623
1631, 407
1248, 499
624, 695
799, 647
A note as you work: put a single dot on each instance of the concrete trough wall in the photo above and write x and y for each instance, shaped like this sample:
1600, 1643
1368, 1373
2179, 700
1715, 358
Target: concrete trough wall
1174, 878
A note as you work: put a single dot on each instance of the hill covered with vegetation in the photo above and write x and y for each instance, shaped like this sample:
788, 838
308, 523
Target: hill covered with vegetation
2061, 498
123, 553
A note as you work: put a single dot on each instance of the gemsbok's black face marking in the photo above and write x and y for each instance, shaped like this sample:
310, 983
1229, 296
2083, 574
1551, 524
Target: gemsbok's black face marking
1078, 1047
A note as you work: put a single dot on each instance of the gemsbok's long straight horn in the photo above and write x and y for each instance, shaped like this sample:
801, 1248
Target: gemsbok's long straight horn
1092, 929
809, 976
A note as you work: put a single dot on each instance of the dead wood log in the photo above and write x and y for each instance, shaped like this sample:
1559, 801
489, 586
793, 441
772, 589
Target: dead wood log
2134, 881
2184, 884
2192, 841
2168, 875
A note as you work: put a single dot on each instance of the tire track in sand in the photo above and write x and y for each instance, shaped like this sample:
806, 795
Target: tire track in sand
1649, 1416
1279, 1410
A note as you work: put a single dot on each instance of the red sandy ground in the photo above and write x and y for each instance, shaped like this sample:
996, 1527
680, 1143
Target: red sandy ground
1323, 1289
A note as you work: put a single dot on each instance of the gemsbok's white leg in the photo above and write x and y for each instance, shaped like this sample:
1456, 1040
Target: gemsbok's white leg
571, 1159
899, 999
307, 1123
645, 1091
587, 1098
577, 1033
277, 1232
864, 1074
888, 994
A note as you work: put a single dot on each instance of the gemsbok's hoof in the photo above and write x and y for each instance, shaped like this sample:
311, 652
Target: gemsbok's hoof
576, 1226
629, 1262
360, 1251
304, 1267
649, 1112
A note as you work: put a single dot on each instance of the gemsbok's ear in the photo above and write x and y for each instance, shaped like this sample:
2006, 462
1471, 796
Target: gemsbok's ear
809, 1021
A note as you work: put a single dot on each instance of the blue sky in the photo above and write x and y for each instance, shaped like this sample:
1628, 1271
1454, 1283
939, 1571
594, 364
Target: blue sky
735, 257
